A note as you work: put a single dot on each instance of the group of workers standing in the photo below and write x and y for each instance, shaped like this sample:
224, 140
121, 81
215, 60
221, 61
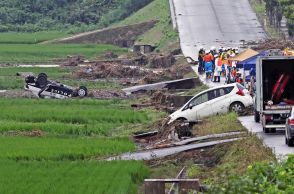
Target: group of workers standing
215, 63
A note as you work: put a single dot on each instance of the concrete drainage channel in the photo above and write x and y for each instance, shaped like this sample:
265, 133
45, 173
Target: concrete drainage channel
178, 147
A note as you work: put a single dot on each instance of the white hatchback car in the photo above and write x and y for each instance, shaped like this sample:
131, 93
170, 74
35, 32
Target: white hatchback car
231, 97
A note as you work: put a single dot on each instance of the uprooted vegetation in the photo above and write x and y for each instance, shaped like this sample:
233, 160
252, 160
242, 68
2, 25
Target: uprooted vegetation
271, 44
215, 164
138, 75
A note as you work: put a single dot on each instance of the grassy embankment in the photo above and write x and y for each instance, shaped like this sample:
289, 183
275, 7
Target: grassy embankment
215, 165
29, 38
259, 8
162, 35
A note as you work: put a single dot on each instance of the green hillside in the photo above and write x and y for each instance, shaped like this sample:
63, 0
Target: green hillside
71, 15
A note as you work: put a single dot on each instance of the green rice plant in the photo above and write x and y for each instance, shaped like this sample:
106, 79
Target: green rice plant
51, 72
61, 148
7, 82
79, 177
29, 38
46, 53
74, 117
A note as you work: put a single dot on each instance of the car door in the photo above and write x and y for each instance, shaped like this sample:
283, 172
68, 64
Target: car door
203, 108
196, 108
221, 103
189, 111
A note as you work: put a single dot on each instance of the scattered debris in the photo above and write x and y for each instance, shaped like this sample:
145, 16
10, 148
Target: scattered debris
187, 141
271, 44
73, 61
107, 94
174, 72
157, 186
161, 61
110, 70
24, 74
175, 130
110, 55
33, 133
145, 134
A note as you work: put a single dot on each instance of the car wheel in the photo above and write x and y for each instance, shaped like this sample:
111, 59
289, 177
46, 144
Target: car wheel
256, 116
237, 107
42, 80
82, 91
291, 142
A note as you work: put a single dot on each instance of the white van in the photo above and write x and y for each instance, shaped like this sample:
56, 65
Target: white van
221, 99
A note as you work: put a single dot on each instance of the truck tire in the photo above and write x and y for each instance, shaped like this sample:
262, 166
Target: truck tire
291, 142
266, 130
256, 116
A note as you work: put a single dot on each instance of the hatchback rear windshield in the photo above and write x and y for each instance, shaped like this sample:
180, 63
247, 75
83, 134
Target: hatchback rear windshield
240, 87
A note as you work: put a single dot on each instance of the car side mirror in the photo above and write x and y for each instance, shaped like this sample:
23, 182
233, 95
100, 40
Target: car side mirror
191, 106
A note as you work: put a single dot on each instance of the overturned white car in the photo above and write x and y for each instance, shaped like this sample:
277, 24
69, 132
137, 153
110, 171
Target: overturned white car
231, 97
41, 87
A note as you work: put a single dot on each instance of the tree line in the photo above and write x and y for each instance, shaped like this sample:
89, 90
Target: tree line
43, 15
276, 9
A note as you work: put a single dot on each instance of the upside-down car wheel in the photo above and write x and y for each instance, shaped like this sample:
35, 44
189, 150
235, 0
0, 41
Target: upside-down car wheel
42, 80
82, 91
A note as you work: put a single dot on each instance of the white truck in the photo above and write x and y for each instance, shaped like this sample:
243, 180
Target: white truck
274, 96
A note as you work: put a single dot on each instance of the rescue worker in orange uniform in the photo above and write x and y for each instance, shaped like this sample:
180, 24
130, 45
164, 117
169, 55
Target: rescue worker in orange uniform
208, 58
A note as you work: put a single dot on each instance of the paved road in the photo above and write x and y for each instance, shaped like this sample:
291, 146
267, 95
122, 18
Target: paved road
223, 23
276, 141
215, 23
208, 82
